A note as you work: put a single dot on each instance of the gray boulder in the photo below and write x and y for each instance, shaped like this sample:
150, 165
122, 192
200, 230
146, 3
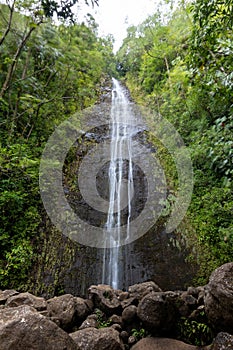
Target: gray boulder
218, 298
162, 344
106, 299
138, 291
27, 299
23, 328
89, 322
67, 310
97, 339
83, 308
129, 314
62, 310
5, 294
223, 341
116, 319
157, 313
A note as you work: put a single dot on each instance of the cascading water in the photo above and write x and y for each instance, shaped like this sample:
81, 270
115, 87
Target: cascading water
112, 214
120, 183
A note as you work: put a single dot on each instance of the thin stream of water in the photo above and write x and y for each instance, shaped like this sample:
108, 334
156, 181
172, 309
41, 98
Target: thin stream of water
120, 183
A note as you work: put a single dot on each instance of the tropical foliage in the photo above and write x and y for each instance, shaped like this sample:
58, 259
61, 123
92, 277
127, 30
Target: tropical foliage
181, 67
47, 72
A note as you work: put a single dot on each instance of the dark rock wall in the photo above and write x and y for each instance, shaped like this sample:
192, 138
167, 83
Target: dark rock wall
64, 266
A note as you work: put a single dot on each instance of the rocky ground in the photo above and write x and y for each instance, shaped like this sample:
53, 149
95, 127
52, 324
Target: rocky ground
142, 318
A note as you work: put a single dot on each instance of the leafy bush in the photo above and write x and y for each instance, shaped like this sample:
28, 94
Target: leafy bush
184, 73
193, 332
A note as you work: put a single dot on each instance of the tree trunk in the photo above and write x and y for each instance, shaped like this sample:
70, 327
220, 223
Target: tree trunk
9, 23
13, 65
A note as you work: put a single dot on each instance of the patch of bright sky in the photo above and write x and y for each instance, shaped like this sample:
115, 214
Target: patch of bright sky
115, 16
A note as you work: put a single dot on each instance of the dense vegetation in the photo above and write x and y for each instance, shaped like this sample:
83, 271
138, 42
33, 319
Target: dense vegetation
47, 72
181, 66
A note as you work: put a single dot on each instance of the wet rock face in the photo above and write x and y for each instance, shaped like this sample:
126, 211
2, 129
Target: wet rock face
70, 267
65, 264
219, 298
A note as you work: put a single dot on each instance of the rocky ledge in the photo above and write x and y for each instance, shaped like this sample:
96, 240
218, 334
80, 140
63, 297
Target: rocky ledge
142, 318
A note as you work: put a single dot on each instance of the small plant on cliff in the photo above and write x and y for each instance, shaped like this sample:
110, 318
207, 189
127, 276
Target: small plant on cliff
139, 333
193, 332
102, 323
107, 295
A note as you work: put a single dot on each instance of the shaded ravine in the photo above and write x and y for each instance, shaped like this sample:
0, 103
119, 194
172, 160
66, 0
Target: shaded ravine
65, 266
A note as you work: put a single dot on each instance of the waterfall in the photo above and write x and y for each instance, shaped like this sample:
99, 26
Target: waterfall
120, 176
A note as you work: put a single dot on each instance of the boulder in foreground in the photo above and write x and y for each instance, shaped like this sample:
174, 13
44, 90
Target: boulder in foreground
23, 328
219, 298
97, 339
162, 344
223, 341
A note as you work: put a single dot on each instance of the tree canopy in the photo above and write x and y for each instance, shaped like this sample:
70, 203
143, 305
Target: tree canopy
52, 66
47, 72
182, 69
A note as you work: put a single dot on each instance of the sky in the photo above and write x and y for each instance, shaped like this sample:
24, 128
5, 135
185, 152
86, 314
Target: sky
115, 16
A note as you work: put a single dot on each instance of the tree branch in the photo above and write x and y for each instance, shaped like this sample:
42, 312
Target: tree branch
9, 23
15, 59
